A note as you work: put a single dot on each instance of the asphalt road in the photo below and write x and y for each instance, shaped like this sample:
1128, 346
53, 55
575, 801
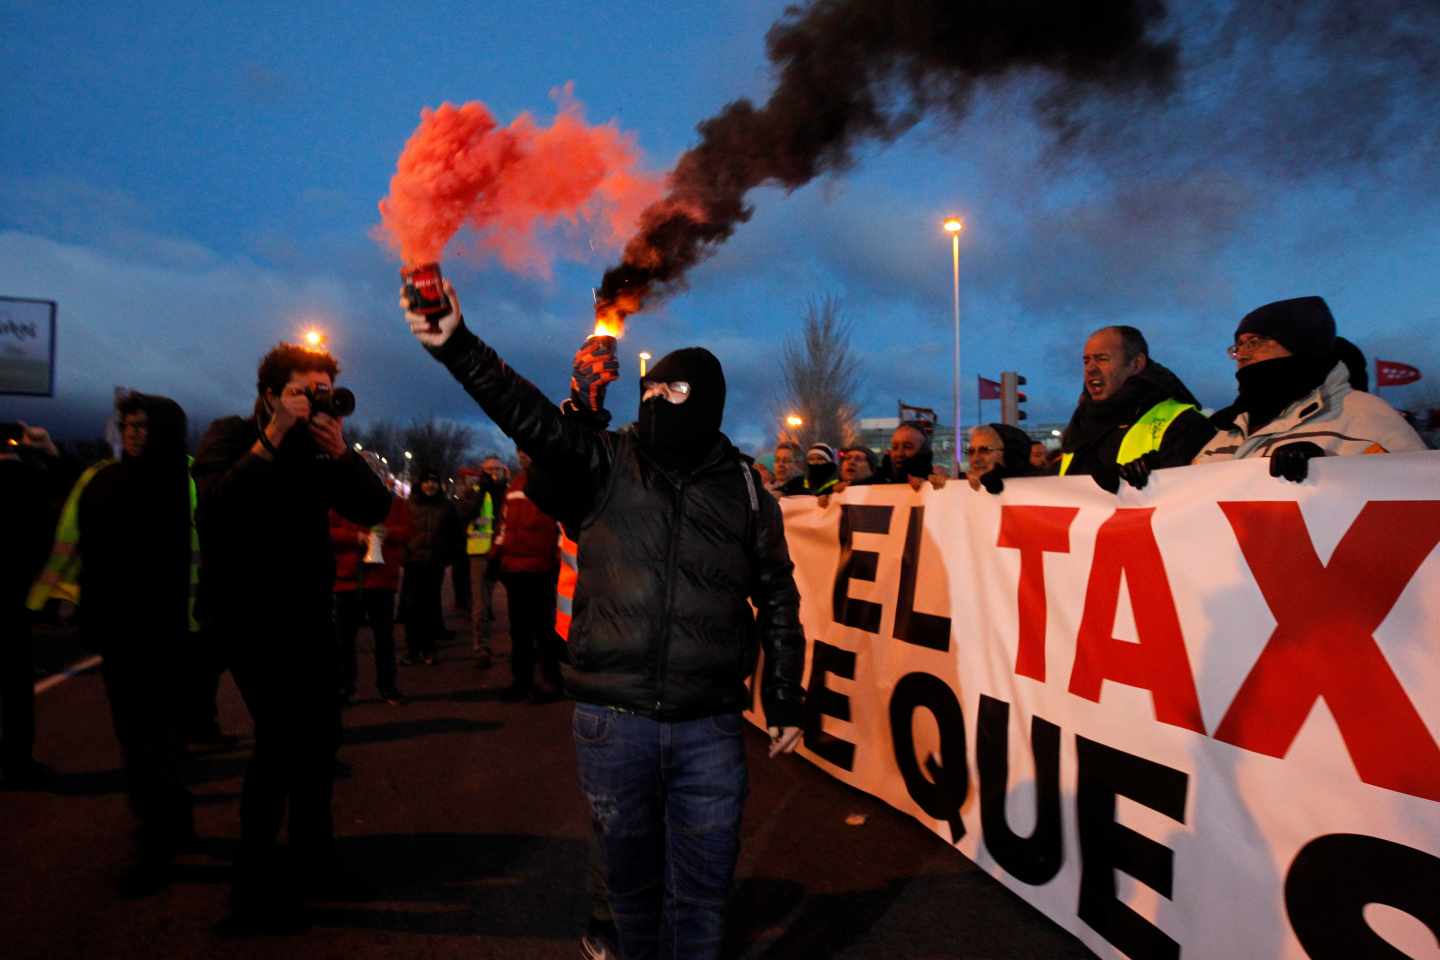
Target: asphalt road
464, 815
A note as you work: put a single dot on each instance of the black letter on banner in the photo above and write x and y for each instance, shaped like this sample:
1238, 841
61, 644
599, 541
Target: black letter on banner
820, 701
858, 565
1334, 876
942, 793
921, 629
1034, 860
1106, 846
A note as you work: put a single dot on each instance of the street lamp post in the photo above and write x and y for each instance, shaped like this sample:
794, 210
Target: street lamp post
953, 226
644, 359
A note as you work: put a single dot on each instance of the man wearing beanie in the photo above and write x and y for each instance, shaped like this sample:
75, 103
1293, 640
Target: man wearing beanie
1134, 415
677, 541
820, 476
1295, 400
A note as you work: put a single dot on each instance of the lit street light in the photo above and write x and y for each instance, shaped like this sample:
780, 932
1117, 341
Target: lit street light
794, 421
644, 358
314, 339
953, 226
358, 447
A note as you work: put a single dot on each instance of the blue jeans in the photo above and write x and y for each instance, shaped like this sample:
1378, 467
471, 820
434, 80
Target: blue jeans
666, 800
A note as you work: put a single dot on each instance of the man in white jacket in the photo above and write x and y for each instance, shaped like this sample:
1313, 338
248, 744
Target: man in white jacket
1295, 400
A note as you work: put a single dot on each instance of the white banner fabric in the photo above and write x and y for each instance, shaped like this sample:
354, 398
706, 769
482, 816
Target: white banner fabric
1197, 720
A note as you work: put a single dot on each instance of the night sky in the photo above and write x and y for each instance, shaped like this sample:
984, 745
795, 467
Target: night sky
194, 182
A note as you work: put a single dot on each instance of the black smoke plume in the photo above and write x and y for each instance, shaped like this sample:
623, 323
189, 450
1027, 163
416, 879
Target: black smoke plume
851, 71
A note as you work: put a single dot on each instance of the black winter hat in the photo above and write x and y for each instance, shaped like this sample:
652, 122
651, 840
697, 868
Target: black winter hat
1302, 325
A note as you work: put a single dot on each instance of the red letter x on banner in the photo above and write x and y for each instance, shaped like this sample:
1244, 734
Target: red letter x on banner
1324, 644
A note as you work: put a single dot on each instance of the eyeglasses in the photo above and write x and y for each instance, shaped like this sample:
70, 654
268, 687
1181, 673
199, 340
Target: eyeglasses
1246, 344
971, 451
676, 391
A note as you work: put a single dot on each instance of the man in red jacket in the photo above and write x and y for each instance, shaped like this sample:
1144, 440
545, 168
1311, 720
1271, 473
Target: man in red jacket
365, 590
529, 562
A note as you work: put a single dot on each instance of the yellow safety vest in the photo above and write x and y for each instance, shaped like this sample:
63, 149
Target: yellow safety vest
1144, 436
480, 533
60, 580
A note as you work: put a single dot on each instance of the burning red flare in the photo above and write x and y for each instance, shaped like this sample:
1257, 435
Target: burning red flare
507, 183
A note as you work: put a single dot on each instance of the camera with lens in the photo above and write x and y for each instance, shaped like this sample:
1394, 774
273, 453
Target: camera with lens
337, 403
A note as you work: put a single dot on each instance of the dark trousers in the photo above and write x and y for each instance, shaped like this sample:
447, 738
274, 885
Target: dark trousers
206, 664
530, 600
460, 580
145, 678
287, 677
17, 689
420, 600
352, 609
666, 799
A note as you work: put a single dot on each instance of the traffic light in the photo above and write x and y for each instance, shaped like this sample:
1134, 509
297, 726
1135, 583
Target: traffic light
1011, 397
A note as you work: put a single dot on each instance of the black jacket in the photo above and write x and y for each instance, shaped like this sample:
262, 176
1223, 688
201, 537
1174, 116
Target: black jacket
135, 544
1096, 430
668, 564
265, 552
438, 536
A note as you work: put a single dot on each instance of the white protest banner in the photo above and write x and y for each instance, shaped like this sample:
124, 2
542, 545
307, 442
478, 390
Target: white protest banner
1200, 720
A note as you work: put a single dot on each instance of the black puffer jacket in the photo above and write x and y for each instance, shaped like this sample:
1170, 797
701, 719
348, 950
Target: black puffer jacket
668, 564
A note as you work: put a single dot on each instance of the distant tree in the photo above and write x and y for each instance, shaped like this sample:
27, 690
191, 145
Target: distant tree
441, 444
821, 377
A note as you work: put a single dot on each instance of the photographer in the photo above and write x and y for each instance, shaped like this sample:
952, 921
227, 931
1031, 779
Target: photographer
267, 484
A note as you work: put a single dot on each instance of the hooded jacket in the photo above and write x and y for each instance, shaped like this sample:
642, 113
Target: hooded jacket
134, 536
1096, 430
669, 560
436, 532
1337, 418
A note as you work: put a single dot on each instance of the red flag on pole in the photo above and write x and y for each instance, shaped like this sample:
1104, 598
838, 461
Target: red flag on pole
990, 389
1388, 373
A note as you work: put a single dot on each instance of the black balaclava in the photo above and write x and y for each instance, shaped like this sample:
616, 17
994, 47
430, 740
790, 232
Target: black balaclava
679, 435
819, 474
1305, 327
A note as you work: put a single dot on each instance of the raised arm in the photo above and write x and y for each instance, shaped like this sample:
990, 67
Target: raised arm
518, 408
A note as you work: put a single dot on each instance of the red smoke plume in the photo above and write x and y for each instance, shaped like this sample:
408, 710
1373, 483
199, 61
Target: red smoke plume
507, 183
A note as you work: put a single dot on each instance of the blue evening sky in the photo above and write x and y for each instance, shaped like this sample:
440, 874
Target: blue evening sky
193, 182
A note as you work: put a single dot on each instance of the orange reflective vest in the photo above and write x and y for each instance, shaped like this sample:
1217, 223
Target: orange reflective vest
565, 585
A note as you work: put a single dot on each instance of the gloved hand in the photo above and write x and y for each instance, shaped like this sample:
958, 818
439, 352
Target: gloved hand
596, 367
994, 480
1107, 477
1136, 472
1292, 461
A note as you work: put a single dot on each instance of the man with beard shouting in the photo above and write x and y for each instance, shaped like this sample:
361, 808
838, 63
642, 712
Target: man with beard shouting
677, 540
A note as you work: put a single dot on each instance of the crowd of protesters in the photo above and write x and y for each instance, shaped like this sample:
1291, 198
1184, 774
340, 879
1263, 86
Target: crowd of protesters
1301, 394
277, 542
